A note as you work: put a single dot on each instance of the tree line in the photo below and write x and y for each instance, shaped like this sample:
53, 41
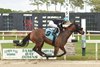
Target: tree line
74, 4
48, 3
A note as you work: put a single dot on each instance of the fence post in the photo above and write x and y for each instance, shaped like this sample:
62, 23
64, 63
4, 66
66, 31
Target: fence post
83, 25
89, 35
16, 37
96, 50
1, 51
2, 35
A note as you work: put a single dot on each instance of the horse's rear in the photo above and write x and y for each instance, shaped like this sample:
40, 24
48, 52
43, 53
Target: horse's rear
37, 35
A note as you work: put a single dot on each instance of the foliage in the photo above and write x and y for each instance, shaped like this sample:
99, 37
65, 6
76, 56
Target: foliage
36, 2
47, 2
2, 10
77, 3
95, 4
73, 3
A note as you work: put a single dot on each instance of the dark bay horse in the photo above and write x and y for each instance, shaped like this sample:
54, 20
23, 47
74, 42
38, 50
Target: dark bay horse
38, 37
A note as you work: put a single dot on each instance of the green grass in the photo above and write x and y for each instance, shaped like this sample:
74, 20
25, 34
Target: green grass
31, 45
90, 49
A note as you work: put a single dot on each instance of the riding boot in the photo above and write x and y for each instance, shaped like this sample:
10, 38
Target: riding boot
54, 35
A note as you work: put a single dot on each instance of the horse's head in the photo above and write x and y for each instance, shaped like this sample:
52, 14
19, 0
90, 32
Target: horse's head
75, 28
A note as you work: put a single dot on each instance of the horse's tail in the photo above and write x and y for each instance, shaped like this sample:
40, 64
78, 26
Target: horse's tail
24, 42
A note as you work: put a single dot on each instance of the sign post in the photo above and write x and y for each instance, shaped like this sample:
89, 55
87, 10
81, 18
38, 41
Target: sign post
66, 15
83, 25
67, 9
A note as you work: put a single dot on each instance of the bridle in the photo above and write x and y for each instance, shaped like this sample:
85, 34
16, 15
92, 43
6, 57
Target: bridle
77, 28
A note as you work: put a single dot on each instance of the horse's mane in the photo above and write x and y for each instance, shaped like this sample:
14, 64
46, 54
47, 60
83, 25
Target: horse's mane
70, 25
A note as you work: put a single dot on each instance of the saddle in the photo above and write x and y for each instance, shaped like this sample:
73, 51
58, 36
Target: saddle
51, 33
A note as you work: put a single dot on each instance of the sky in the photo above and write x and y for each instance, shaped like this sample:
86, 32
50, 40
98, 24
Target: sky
24, 5
16, 4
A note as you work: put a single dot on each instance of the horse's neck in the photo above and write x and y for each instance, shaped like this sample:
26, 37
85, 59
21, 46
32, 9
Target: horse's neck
68, 33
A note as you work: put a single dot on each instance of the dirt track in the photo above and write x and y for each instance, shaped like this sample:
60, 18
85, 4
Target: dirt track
48, 63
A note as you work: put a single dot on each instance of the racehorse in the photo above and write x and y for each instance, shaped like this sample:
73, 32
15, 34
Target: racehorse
38, 37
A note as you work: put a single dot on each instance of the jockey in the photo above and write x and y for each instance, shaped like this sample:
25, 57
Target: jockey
58, 25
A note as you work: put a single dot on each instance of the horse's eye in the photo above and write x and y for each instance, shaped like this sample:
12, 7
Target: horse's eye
81, 29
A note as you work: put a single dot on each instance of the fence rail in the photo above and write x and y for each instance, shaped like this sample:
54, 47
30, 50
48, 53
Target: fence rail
16, 34
96, 46
4, 34
93, 31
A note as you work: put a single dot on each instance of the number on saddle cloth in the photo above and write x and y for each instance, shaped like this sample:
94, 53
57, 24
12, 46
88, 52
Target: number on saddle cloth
49, 33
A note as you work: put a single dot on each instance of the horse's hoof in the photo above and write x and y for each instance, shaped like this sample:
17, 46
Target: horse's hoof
43, 55
47, 58
15, 41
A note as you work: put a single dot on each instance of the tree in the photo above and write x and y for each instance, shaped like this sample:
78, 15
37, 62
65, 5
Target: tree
95, 4
61, 3
55, 3
2, 10
36, 2
47, 2
77, 4
74, 3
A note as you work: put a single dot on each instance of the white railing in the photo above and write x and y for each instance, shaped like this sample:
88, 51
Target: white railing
16, 34
93, 31
96, 46
4, 34
88, 34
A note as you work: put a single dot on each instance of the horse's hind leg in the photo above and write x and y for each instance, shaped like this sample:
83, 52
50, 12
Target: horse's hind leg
38, 48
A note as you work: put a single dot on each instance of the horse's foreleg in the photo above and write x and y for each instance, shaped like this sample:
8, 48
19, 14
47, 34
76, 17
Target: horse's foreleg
56, 51
63, 49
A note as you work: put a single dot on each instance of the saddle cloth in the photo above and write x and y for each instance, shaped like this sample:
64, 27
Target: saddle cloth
49, 33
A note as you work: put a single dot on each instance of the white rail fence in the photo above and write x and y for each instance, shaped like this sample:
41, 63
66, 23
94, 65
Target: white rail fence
88, 35
16, 34
96, 46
